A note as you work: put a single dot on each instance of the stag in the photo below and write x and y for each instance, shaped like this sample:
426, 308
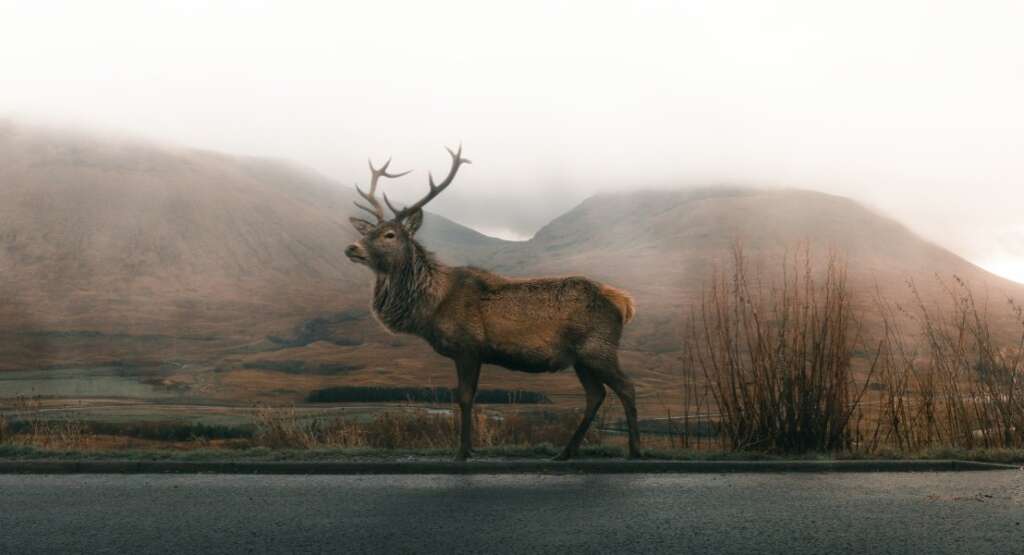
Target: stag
476, 317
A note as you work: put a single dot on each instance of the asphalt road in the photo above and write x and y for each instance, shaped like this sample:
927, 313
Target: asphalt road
967, 512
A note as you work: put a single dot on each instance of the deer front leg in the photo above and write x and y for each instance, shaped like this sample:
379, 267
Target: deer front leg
595, 396
469, 377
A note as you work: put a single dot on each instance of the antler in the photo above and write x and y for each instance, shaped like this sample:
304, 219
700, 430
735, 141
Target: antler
375, 175
457, 161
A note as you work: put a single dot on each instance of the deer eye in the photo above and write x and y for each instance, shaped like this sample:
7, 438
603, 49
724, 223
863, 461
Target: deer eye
389, 235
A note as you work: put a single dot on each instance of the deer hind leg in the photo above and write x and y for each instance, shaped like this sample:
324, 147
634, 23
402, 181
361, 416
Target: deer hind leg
595, 396
626, 391
603, 363
469, 377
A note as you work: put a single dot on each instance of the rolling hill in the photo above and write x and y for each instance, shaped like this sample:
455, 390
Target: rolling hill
116, 250
227, 273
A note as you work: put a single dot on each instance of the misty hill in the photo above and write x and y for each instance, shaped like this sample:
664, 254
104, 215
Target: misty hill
124, 238
657, 239
118, 252
663, 246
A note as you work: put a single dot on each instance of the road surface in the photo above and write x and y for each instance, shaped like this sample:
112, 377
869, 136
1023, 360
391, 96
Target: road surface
966, 512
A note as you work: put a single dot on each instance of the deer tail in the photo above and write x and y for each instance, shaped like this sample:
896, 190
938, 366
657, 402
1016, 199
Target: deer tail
622, 301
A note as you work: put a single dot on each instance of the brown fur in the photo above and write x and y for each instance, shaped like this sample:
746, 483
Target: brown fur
622, 300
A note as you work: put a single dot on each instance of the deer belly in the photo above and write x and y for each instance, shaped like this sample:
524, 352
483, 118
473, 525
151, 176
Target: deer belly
528, 346
523, 358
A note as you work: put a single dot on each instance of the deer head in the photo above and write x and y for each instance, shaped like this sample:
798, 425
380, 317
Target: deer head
388, 242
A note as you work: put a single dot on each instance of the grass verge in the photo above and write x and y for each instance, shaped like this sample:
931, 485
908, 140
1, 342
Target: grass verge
545, 451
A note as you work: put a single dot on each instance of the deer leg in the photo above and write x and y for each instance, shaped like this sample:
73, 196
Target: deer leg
623, 387
469, 376
595, 396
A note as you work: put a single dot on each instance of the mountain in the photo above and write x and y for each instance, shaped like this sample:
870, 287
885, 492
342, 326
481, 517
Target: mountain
663, 246
654, 240
227, 273
133, 247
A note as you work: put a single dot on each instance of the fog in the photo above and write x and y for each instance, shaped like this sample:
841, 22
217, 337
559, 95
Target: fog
913, 107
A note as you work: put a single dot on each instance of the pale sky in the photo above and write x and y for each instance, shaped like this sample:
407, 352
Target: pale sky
913, 107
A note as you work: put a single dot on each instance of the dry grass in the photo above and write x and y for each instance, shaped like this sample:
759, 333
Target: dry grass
283, 427
65, 433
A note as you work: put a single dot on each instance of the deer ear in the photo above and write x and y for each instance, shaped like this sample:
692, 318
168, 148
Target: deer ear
362, 226
413, 222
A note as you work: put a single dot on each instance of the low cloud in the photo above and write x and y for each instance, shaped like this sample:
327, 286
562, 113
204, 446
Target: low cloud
913, 108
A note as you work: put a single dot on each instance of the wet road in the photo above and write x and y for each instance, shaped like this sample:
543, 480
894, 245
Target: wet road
967, 512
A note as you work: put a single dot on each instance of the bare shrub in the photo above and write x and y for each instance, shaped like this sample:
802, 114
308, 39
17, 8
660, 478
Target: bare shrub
943, 372
955, 380
687, 429
777, 358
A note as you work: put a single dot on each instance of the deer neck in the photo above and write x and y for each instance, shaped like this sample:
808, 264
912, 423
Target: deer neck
405, 297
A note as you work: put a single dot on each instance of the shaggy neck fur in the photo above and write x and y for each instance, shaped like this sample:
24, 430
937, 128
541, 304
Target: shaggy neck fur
406, 296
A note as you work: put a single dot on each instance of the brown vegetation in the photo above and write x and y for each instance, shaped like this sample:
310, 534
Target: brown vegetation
778, 358
952, 379
282, 427
790, 366
64, 433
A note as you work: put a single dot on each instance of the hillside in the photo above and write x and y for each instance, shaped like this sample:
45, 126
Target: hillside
115, 250
659, 239
224, 276
663, 246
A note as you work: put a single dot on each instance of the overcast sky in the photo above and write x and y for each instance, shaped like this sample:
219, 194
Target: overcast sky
913, 107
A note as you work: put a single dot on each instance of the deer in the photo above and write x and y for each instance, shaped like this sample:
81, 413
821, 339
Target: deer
475, 317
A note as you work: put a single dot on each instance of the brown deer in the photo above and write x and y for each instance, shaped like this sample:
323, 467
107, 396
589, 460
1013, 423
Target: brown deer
475, 317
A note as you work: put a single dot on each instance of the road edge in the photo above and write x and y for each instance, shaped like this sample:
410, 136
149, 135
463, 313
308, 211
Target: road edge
488, 467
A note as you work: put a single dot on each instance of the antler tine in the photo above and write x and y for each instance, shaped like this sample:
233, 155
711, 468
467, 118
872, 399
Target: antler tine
375, 175
435, 189
358, 205
383, 171
394, 210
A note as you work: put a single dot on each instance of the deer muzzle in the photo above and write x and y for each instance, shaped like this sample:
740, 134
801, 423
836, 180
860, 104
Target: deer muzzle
356, 253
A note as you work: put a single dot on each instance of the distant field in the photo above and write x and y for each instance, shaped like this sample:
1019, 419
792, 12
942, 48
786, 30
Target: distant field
73, 383
350, 394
